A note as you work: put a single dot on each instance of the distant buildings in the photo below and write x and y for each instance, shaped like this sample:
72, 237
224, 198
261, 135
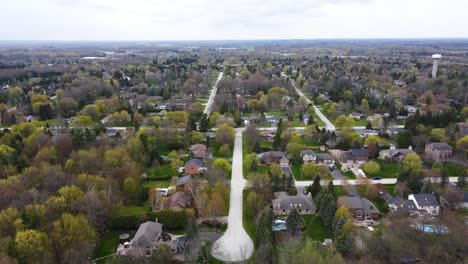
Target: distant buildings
438, 151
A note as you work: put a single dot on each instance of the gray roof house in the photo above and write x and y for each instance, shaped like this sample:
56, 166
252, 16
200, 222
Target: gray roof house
395, 155
147, 238
438, 151
426, 202
325, 158
361, 209
308, 155
284, 203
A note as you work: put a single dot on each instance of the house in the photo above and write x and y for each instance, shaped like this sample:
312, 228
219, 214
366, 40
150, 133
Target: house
454, 198
147, 239
360, 155
308, 156
324, 158
361, 208
192, 167
284, 203
426, 202
199, 151
438, 151
273, 157
355, 115
179, 201
284, 162
182, 181
395, 155
267, 135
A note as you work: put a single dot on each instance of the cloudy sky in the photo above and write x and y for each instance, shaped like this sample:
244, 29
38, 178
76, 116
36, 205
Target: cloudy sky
236, 19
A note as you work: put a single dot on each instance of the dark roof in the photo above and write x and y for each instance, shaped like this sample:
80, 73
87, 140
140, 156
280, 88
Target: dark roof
147, 234
440, 146
184, 180
308, 152
424, 199
199, 162
285, 201
348, 156
324, 156
286, 171
352, 202
369, 207
359, 152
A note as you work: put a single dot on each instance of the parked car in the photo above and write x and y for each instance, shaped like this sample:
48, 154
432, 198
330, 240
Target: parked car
376, 178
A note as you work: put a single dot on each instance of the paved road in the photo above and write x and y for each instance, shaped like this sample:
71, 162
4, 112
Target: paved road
357, 182
210, 102
337, 175
328, 125
235, 245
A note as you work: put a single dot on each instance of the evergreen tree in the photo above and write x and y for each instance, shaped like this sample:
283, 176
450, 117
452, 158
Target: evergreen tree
204, 123
277, 138
315, 187
444, 179
294, 222
327, 209
331, 188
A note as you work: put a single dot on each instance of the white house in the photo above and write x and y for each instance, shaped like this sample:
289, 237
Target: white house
308, 156
426, 202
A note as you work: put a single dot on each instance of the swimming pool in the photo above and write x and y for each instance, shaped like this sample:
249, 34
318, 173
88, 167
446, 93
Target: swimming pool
433, 229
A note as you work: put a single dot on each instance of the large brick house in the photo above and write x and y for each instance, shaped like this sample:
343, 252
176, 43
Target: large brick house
361, 209
439, 151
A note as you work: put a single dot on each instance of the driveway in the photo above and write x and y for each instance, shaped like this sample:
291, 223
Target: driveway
337, 175
235, 245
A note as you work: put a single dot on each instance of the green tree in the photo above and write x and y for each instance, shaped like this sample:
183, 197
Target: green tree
371, 167
82, 121
294, 150
412, 162
225, 134
294, 222
327, 209
315, 187
32, 246
131, 190
344, 121
223, 165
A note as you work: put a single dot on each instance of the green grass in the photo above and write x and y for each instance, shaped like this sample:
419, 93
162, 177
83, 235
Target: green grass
164, 172
249, 223
453, 169
388, 169
349, 174
263, 169
400, 122
340, 191
296, 123
390, 188
360, 122
318, 121
159, 184
314, 228
309, 142
108, 244
266, 145
129, 210
215, 146
297, 171
277, 113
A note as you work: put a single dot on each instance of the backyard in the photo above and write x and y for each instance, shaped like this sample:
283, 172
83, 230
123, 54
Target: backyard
388, 169
314, 228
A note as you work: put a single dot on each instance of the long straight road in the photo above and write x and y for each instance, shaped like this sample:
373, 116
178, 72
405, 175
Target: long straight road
358, 182
235, 245
328, 125
210, 102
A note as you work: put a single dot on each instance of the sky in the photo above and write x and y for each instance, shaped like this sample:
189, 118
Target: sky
229, 20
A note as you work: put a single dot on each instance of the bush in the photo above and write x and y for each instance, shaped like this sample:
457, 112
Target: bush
171, 220
128, 217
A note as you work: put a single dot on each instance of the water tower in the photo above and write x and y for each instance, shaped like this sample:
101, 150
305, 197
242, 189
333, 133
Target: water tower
436, 58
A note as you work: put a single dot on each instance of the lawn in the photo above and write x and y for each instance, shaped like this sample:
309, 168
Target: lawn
340, 191
266, 145
390, 188
314, 228
215, 146
388, 169
164, 172
108, 245
297, 171
360, 122
296, 123
318, 121
309, 142
159, 184
263, 169
453, 169
277, 113
249, 223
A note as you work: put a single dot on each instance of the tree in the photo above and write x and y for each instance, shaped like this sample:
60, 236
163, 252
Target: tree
412, 162
225, 134
294, 150
438, 135
73, 237
373, 143
204, 123
215, 206
462, 179
197, 188
371, 167
252, 135
309, 170
254, 204
82, 121
462, 146
315, 187
32, 246
365, 106
223, 165
344, 121
327, 209
294, 222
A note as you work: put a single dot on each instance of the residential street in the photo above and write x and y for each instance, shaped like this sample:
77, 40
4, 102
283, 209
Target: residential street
357, 182
210, 102
328, 125
235, 244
